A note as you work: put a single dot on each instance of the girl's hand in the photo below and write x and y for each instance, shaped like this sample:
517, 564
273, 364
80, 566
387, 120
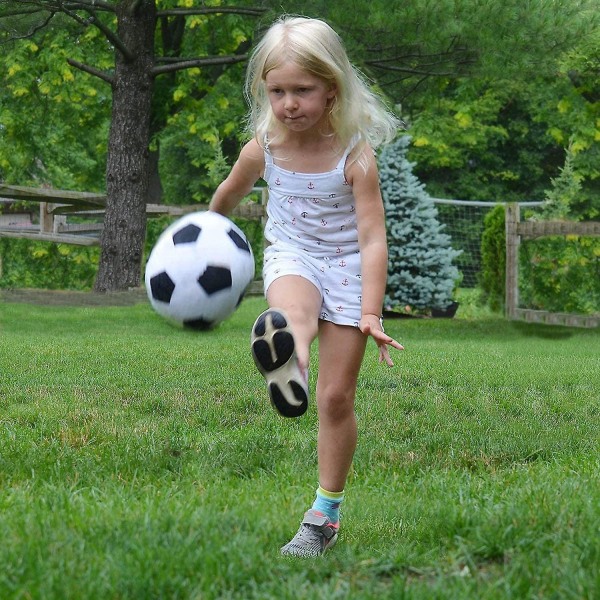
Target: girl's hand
372, 325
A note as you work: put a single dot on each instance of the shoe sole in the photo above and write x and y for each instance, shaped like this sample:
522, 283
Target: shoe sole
274, 353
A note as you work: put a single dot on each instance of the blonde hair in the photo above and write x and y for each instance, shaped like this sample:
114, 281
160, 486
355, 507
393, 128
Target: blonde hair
355, 111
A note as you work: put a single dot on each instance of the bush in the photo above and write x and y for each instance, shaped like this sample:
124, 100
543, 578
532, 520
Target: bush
560, 274
32, 264
492, 277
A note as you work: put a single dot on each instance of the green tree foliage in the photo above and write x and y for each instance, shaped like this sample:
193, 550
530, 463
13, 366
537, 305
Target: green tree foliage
492, 91
576, 123
504, 139
415, 49
201, 138
420, 272
197, 111
485, 143
53, 121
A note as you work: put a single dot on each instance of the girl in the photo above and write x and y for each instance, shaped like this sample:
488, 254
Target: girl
315, 124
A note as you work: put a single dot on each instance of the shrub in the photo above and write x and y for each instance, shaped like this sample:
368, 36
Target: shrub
31, 264
561, 274
492, 277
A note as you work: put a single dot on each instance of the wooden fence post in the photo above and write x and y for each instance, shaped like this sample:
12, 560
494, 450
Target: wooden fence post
46, 219
512, 260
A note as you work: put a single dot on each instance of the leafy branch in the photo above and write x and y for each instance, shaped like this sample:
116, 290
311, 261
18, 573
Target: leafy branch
178, 64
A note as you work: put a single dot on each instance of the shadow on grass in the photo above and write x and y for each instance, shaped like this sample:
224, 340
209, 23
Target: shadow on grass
548, 332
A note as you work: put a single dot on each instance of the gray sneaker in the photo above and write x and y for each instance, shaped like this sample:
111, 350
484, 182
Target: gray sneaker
316, 534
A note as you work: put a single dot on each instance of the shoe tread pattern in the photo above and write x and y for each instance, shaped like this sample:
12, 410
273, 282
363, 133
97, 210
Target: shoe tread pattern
274, 353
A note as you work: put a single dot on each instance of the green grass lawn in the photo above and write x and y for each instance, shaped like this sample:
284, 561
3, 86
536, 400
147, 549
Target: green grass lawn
141, 461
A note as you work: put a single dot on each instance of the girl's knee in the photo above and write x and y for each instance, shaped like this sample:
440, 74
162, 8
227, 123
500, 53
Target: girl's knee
335, 405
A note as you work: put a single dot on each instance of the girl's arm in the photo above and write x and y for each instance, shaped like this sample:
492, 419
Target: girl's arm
245, 173
373, 250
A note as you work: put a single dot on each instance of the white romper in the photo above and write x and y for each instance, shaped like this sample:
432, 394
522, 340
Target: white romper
312, 227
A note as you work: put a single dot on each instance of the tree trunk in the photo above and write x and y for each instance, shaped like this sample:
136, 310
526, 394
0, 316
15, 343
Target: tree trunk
155, 188
127, 171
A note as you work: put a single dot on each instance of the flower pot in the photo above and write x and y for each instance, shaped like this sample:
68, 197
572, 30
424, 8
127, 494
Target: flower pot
445, 313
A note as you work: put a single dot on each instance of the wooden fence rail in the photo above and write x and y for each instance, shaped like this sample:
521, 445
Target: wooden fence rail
517, 231
56, 206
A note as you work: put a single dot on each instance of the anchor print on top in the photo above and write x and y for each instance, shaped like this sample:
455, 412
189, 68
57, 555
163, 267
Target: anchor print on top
316, 214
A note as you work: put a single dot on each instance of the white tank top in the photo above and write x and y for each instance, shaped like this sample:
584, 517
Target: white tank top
312, 211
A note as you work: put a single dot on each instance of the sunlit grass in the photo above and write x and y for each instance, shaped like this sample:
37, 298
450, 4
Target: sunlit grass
141, 461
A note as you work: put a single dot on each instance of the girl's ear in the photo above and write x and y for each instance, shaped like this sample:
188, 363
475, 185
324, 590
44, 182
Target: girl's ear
332, 92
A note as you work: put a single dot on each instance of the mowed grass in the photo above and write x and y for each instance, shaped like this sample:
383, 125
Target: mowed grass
141, 461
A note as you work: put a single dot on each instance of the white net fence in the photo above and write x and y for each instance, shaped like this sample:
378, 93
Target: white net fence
464, 222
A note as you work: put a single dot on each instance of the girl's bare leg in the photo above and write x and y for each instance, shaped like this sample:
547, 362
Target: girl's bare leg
341, 350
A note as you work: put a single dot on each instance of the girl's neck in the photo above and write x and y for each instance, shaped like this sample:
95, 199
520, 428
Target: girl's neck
306, 154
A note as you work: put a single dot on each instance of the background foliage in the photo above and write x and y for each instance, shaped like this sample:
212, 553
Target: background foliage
492, 95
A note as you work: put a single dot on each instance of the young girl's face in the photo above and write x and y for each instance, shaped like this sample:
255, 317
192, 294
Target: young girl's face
298, 99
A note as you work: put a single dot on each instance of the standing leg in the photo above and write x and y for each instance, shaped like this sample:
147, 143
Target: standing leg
341, 349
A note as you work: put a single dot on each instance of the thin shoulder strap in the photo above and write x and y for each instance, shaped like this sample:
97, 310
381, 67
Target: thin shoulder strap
268, 155
342, 164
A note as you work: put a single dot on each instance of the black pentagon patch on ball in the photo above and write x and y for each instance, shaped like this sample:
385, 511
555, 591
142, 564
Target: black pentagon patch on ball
238, 240
187, 234
198, 324
215, 279
162, 287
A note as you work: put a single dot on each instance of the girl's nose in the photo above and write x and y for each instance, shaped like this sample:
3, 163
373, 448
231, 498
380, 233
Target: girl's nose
290, 103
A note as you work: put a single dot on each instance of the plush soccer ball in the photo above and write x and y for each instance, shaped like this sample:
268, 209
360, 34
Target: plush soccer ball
199, 269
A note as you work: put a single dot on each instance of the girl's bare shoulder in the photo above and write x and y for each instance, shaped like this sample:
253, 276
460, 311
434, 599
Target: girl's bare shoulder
252, 157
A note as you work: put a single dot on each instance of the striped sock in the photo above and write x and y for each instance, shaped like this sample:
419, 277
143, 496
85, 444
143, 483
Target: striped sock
329, 504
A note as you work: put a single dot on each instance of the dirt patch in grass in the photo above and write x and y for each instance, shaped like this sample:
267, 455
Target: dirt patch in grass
74, 298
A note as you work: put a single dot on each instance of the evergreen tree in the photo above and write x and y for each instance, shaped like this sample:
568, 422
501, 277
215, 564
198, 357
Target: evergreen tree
420, 269
565, 190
